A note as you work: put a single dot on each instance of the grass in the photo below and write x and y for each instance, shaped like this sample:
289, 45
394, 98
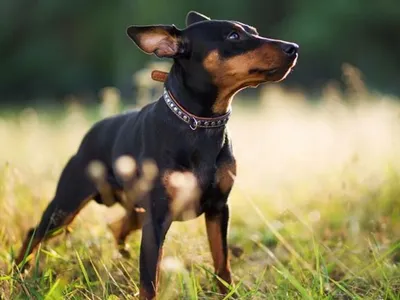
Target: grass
315, 209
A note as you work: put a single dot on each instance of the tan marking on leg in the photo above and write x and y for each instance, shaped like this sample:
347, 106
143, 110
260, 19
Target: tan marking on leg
221, 263
225, 176
160, 256
124, 226
72, 216
26, 250
28, 247
146, 295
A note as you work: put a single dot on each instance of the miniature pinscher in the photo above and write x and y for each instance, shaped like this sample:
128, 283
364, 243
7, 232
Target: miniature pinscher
184, 131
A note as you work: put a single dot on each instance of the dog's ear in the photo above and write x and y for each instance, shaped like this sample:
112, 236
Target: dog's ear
194, 17
161, 40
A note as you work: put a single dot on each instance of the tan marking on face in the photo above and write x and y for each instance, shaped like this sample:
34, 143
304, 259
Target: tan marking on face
226, 176
232, 74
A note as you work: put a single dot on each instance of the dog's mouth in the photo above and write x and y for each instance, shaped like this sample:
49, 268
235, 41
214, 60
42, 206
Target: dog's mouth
277, 73
271, 72
268, 72
274, 73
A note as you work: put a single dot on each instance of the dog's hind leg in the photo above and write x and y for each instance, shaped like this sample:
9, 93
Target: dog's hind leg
121, 229
74, 190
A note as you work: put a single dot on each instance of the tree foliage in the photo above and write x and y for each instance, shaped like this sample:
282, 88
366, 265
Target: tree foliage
55, 48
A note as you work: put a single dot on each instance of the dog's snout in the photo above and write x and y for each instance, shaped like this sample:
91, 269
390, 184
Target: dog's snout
290, 49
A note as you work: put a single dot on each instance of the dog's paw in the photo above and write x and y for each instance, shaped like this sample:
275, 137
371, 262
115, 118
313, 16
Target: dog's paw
124, 253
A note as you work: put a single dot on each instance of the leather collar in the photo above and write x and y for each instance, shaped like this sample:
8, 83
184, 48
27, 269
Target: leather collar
193, 121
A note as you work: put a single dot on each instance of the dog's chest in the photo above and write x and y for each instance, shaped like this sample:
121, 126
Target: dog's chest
193, 197
202, 155
205, 167
202, 165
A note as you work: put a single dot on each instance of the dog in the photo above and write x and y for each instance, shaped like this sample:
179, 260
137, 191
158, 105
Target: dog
185, 131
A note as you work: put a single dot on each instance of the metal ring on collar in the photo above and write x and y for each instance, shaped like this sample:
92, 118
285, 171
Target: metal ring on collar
193, 125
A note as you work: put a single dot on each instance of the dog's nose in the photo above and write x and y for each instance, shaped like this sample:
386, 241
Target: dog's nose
290, 49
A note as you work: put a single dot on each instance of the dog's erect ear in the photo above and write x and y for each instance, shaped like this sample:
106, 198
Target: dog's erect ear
194, 17
162, 40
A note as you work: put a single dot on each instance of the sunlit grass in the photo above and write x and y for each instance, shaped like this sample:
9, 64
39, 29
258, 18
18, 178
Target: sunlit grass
315, 209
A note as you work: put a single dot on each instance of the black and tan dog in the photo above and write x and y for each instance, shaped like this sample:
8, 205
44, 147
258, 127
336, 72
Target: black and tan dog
185, 131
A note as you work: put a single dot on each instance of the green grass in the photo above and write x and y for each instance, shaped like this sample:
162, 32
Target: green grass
315, 212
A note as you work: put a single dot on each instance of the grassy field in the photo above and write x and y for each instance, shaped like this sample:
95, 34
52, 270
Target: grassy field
315, 209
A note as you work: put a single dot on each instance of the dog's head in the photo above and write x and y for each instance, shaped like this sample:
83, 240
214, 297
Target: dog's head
232, 54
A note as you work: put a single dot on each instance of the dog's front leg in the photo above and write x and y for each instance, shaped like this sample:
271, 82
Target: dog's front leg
217, 231
153, 235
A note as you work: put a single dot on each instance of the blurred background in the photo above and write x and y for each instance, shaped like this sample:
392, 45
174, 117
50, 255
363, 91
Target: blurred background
53, 49
315, 206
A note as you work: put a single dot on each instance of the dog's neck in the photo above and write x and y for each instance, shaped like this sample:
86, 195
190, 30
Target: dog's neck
192, 90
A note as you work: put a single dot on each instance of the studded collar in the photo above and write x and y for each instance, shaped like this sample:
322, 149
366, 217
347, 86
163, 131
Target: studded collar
193, 121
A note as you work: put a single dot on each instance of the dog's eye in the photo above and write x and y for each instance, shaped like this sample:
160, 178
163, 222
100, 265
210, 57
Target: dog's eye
234, 36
